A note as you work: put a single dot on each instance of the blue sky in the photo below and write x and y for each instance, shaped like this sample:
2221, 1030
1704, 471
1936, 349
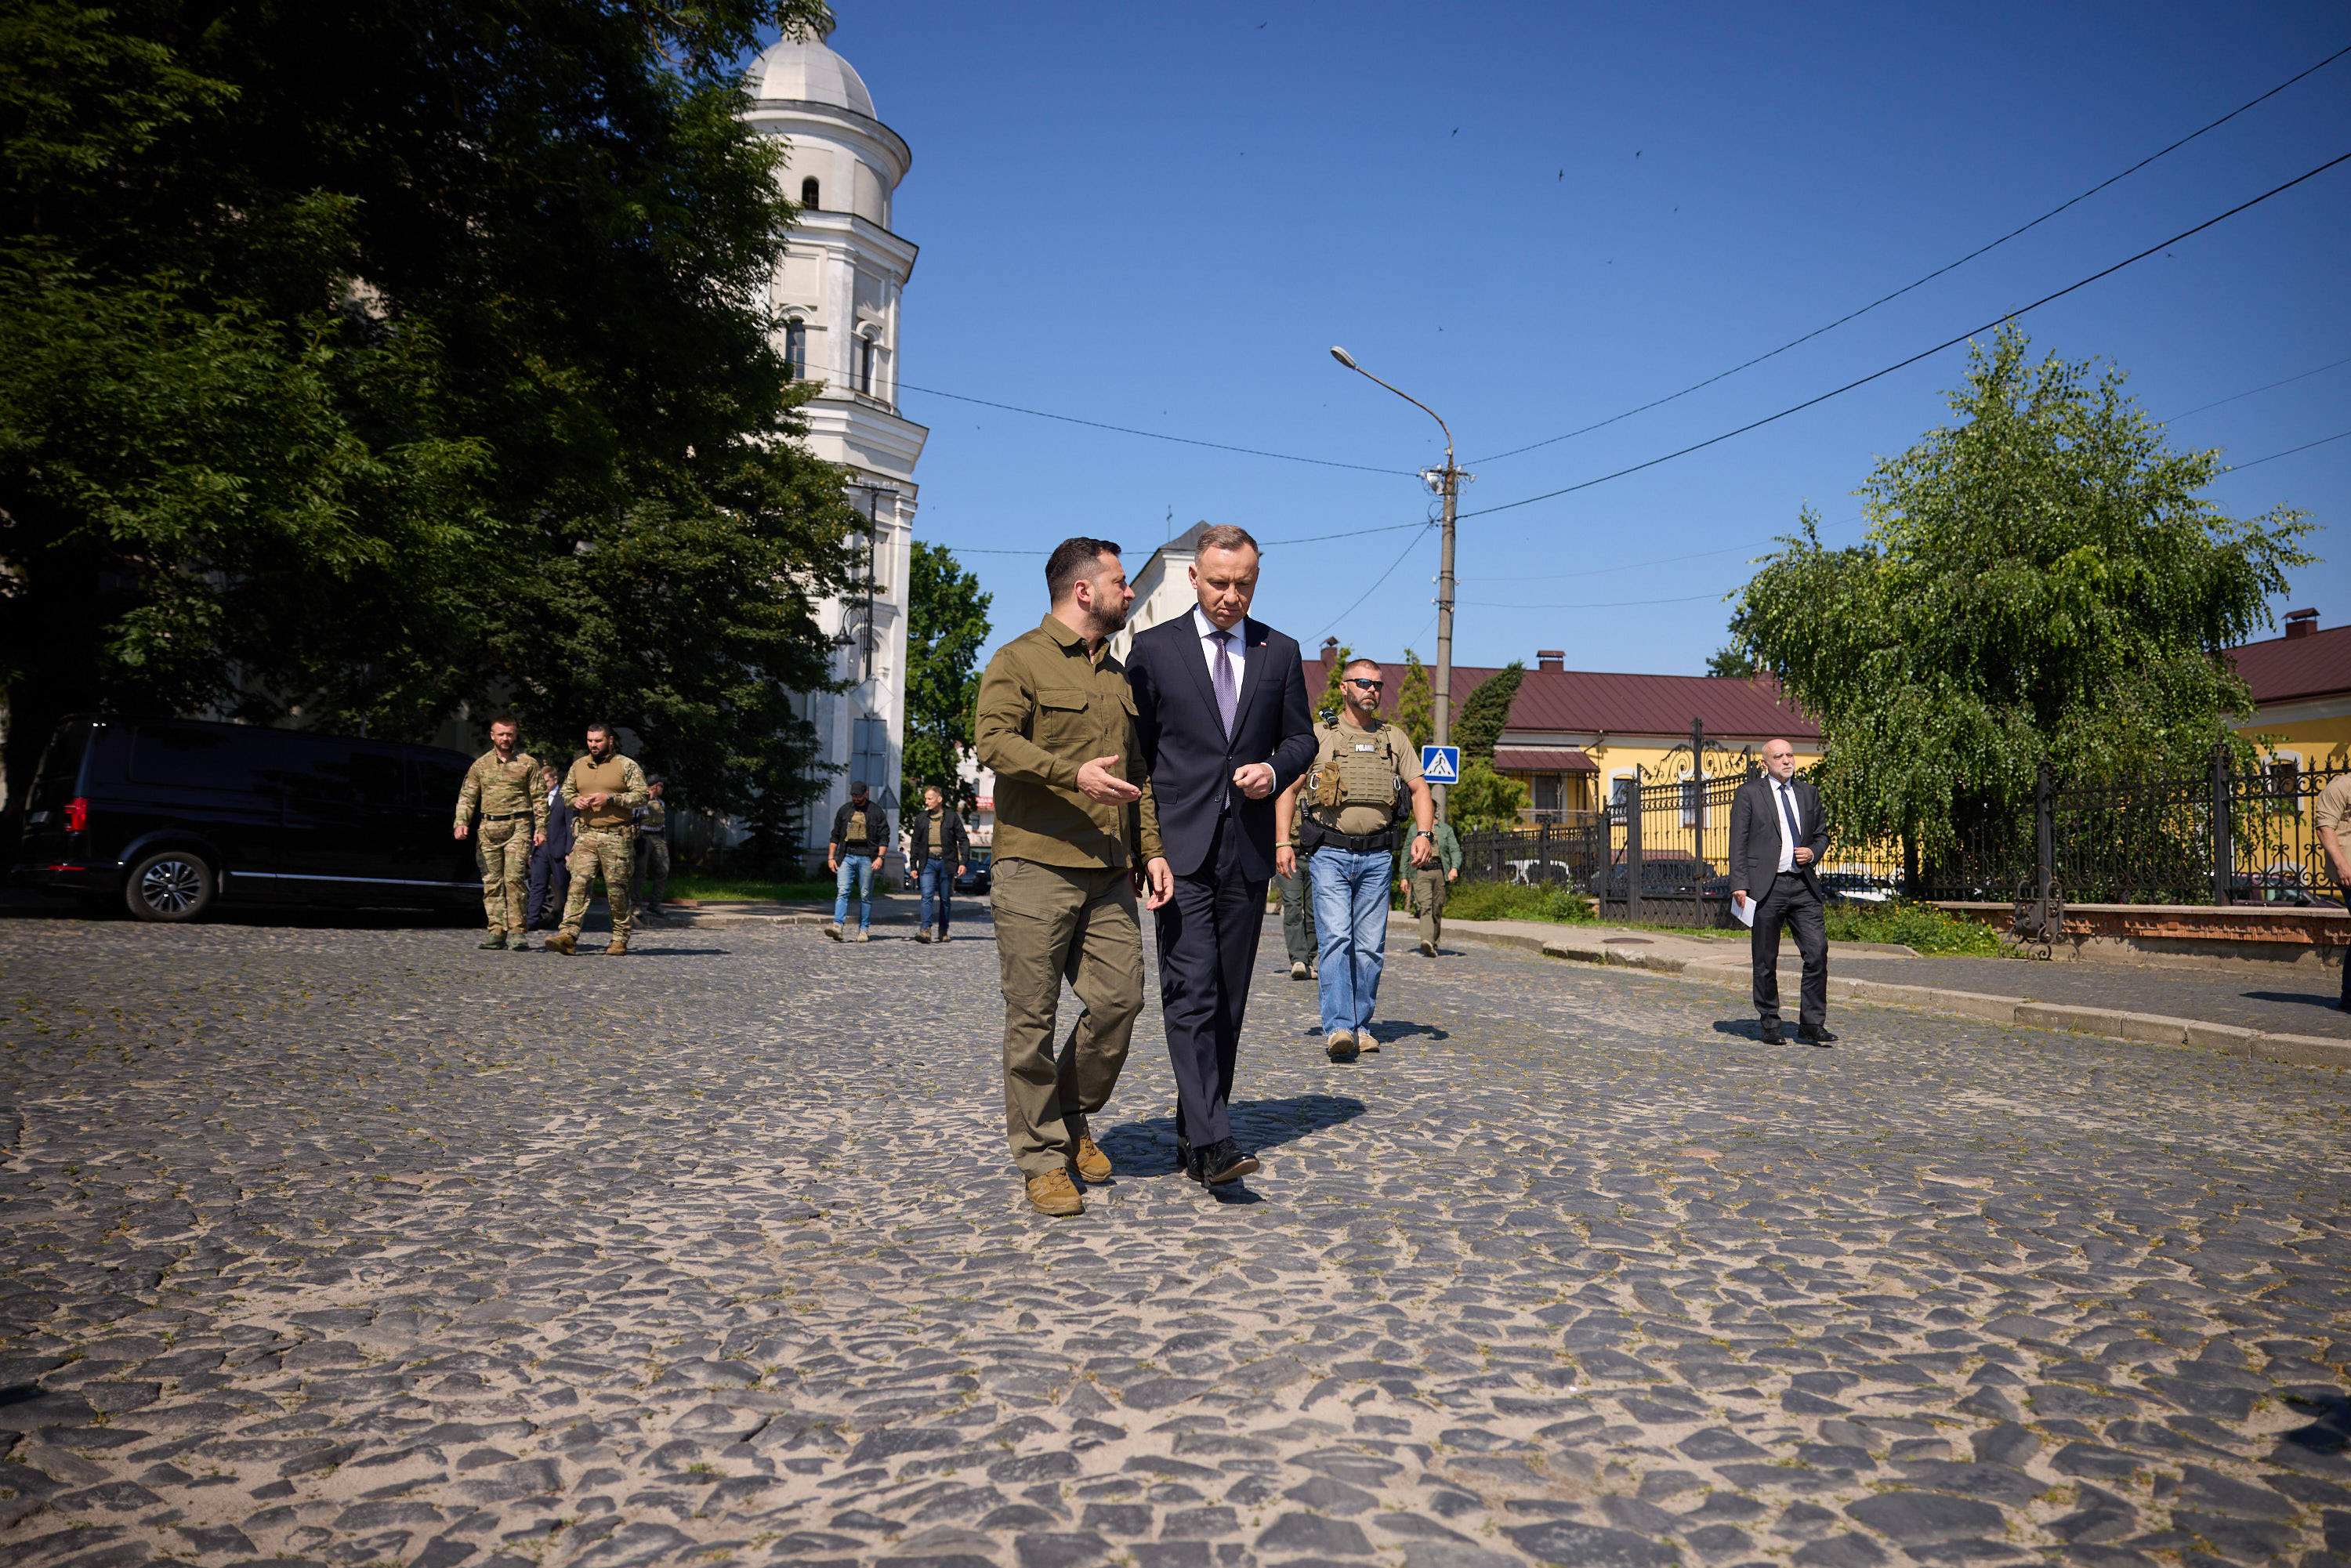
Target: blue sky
1536, 217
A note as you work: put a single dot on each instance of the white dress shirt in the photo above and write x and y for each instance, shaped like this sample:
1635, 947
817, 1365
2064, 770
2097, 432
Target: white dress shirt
1783, 802
1206, 630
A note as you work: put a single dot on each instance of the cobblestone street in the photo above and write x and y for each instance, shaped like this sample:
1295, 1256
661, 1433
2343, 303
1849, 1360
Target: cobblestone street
363, 1246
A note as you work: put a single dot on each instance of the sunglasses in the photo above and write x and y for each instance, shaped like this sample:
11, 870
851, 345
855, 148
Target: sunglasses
1367, 686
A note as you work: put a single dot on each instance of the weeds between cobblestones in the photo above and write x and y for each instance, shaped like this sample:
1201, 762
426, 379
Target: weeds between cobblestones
365, 1248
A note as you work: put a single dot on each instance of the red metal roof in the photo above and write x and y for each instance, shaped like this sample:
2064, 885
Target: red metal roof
1536, 760
2284, 668
1581, 701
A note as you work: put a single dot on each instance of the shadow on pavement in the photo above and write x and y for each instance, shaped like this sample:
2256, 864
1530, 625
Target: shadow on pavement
1385, 1032
1148, 1146
2306, 998
1748, 1028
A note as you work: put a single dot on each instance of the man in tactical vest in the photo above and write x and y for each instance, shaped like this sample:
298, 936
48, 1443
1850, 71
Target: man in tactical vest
603, 789
1364, 773
860, 832
500, 784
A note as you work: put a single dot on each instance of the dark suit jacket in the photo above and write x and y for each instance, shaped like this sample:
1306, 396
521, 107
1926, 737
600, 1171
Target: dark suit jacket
1186, 753
559, 827
1756, 832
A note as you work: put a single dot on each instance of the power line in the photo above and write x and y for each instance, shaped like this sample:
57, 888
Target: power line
2288, 382
1154, 435
1923, 353
1375, 585
1938, 272
1605, 604
2322, 441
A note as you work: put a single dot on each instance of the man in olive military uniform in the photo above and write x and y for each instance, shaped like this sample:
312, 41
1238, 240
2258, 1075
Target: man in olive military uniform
604, 789
1364, 773
502, 784
1429, 883
1056, 721
653, 848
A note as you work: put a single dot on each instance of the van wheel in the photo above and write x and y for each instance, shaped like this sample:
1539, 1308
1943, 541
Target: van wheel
175, 886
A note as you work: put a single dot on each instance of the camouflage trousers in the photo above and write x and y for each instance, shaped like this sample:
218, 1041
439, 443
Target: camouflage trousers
504, 851
653, 867
613, 853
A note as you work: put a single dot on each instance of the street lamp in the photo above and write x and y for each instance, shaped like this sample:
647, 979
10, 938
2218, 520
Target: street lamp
1448, 485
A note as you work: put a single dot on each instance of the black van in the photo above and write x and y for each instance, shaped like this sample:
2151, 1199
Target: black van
170, 815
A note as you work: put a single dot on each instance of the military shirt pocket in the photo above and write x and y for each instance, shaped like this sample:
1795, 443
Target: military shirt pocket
1061, 720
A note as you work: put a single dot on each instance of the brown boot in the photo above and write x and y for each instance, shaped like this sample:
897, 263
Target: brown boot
619, 945
1054, 1193
1092, 1163
1341, 1044
563, 942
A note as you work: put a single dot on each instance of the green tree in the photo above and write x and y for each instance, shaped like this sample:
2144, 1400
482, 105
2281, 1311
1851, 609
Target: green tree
1416, 710
1486, 711
360, 361
1333, 703
1484, 800
2040, 580
1731, 665
947, 625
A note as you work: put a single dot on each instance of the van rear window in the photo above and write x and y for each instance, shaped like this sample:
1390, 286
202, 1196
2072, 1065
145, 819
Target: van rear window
58, 780
190, 757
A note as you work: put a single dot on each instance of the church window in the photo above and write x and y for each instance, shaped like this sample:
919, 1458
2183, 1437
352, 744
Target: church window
865, 352
809, 193
795, 350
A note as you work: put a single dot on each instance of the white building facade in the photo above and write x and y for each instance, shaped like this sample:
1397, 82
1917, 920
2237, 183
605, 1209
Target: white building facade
838, 294
1162, 588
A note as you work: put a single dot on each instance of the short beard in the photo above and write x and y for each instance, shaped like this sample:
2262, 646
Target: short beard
1106, 622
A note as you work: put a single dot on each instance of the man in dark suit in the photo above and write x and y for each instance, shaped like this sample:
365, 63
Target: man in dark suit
1223, 727
550, 883
1777, 838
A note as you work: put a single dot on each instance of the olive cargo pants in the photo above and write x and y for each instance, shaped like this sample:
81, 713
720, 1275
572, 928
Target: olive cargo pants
1054, 922
1428, 902
612, 850
504, 851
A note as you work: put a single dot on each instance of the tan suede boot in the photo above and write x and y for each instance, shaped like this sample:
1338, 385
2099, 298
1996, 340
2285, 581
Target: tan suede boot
1341, 1045
619, 945
563, 942
1092, 1163
1054, 1193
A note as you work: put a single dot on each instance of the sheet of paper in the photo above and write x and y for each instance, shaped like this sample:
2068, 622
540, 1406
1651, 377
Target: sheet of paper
1745, 909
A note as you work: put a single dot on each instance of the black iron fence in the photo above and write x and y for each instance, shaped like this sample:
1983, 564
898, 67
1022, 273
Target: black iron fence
2230, 836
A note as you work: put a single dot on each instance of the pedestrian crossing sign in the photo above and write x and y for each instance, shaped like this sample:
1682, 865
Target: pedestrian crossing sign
1441, 764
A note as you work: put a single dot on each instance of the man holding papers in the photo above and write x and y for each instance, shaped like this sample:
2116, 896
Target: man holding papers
1777, 838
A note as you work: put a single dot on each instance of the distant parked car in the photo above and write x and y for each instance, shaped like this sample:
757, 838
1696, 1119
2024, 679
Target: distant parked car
1677, 876
2283, 883
975, 878
1854, 888
1531, 871
170, 816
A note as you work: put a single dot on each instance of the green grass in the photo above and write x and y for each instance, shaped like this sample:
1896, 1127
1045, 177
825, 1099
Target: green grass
697, 884
1516, 901
1919, 926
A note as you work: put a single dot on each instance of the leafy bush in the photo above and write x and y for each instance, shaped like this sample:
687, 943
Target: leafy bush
1516, 900
1919, 926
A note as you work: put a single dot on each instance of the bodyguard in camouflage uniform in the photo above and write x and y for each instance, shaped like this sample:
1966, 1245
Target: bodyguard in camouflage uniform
653, 848
605, 789
502, 784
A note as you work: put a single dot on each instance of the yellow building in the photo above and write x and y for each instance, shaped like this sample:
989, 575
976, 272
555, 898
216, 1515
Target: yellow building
2302, 684
1577, 737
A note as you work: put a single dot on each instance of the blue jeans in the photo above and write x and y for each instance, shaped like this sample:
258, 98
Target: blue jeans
861, 868
1350, 923
938, 877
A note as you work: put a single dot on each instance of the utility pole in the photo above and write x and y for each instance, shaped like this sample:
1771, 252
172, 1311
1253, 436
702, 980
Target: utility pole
1446, 483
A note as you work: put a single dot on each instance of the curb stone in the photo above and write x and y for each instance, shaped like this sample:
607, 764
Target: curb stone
2111, 1023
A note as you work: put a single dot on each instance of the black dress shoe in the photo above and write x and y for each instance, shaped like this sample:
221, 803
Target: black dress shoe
1771, 1035
1189, 1161
1223, 1161
1815, 1037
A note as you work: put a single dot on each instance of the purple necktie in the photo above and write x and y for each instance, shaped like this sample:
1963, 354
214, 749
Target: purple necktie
1228, 691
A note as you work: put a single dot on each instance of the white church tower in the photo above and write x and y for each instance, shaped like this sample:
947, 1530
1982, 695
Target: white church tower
838, 294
